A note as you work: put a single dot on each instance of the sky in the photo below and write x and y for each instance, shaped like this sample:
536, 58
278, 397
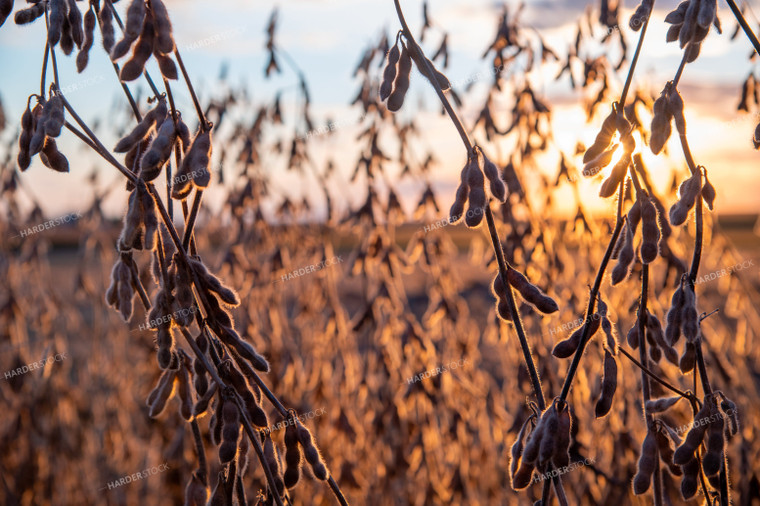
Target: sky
326, 38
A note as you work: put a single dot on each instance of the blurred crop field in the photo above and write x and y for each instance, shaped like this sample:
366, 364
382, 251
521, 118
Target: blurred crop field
278, 307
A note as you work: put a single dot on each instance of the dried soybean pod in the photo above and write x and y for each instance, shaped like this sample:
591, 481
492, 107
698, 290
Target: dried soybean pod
708, 193
142, 129
183, 132
67, 40
650, 232
230, 431
165, 393
523, 477
164, 39
689, 316
706, 13
105, 16
685, 452
716, 442
134, 67
561, 456
29, 14
593, 166
610, 185
160, 385
498, 189
625, 259
27, 130
149, 218
633, 336
517, 448
201, 407
75, 21
689, 23
272, 458
673, 318
661, 404
311, 452
89, 36
502, 309
166, 65
688, 359
40, 115
401, 83
200, 158
689, 483
476, 182
56, 17
292, 455
603, 139
661, 128
389, 74
675, 109
566, 348
531, 293
646, 465
132, 27
55, 159
422, 62
159, 151
185, 393
549, 440
54, 115
609, 385
6, 6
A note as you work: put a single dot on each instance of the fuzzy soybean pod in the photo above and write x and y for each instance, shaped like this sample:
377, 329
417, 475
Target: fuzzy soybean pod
29, 14
661, 128
609, 385
549, 440
660, 405
596, 164
498, 189
646, 465
689, 316
194, 167
164, 382
675, 109
37, 141
422, 62
689, 28
650, 232
135, 17
531, 293
476, 182
27, 131
708, 193
142, 129
6, 7
617, 175
83, 56
56, 17
625, 258
516, 449
389, 74
158, 152
292, 455
52, 157
690, 483
311, 453
611, 343
566, 348
688, 359
185, 393
716, 442
54, 114
74, 18
201, 407
164, 38
401, 83
166, 388
456, 213
685, 452
561, 457
230, 431
272, 458
673, 318
602, 141
149, 217
134, 67
166, 65
105, 16
688, 190
633, 336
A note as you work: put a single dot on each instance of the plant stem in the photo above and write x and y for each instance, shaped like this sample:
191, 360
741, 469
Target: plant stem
632, 68
743, 23
685, 395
